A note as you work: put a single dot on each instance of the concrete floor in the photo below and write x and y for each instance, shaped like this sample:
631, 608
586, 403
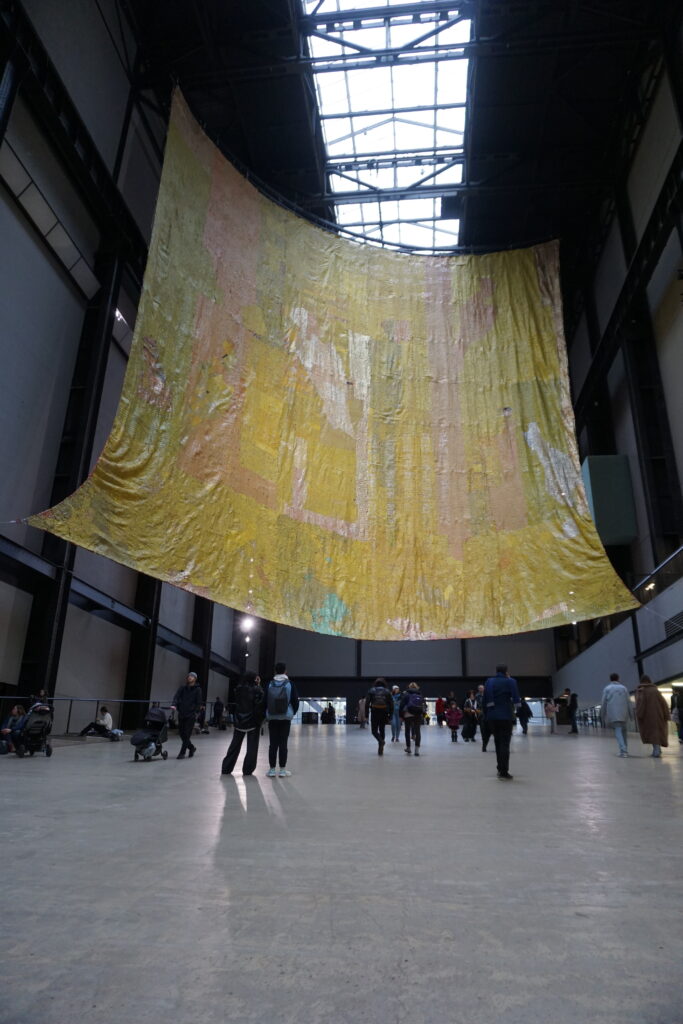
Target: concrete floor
360, 889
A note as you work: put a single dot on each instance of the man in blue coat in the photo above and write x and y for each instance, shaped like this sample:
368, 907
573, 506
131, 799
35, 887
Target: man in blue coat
501, 697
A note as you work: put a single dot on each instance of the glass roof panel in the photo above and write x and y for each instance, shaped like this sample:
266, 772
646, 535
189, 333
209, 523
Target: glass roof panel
390, 134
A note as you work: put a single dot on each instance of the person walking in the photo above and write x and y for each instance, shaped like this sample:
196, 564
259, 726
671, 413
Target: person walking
396, 714
652, 715
469, 709
249, 713
616, 710
361, 714
481, 717
550, 712
412, 710
282, 703
381, 705
453, 719
501, 697
677, 712
573, 711
187, 702
524, 713
440, 711
218, 709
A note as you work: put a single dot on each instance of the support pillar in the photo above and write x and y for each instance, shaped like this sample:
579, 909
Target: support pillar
143, 643
202, 625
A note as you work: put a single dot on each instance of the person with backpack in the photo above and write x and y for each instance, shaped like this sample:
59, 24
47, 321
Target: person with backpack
282, 702
249, 713
381, 705
412, 712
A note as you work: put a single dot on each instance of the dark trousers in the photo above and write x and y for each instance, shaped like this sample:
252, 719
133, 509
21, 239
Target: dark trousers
279, 734
97, 727
485, 730
454, 735
249, 763
378, 721
185, 727
502, 733
413, 727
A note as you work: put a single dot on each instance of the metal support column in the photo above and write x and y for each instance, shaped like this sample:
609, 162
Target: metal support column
202, 625
266, 657
143, 644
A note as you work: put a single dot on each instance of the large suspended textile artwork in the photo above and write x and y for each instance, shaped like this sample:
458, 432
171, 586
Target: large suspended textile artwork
341, 438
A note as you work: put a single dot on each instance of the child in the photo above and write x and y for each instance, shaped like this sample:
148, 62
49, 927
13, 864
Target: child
453, 720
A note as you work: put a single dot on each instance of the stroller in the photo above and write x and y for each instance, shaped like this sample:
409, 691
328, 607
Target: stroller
149, 740
35, 731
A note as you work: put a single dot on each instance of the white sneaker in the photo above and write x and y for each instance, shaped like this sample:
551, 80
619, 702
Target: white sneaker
283, 773
271, 773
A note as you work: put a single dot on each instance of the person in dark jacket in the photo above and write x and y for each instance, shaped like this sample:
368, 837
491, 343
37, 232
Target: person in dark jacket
187, 702
218, 709
573, 711
412, 710
501, 697
481, 717
381, 705
250, 710
524, 713
12, 726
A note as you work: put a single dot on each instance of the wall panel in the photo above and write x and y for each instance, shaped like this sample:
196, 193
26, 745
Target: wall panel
15, 608
41, 320
657, 147
93, 664
314, 654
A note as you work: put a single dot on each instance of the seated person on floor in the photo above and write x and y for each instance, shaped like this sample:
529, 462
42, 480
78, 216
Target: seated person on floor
102, 725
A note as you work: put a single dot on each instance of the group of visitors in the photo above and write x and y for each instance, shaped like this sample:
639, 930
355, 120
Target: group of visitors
567, 701
277, 704
491, 708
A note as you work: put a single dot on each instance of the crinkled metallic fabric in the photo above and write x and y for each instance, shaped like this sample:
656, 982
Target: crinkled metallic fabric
341, 438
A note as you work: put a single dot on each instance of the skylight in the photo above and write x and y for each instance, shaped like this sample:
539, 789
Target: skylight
391, 80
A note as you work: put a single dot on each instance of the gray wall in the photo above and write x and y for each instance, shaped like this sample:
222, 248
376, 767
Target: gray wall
94, 659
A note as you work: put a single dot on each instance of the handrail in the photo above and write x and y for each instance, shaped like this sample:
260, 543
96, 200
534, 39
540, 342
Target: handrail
658, 568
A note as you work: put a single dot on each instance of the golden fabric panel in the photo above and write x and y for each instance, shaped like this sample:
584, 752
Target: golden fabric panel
338, 437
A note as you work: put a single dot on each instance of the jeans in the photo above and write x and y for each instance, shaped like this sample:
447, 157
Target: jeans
502, 733
621, 735
395, 725
412, 727
656, 750
249, 763
278, 729
378, 721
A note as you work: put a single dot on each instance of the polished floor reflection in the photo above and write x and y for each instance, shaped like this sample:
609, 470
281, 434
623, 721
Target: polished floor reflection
360, 889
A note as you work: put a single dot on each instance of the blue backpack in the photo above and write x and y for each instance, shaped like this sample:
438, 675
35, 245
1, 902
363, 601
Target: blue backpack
416, 704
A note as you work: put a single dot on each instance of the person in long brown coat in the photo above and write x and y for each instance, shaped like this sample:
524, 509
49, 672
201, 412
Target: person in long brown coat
652, 715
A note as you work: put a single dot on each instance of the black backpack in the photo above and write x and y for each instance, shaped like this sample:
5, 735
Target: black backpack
378, 698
